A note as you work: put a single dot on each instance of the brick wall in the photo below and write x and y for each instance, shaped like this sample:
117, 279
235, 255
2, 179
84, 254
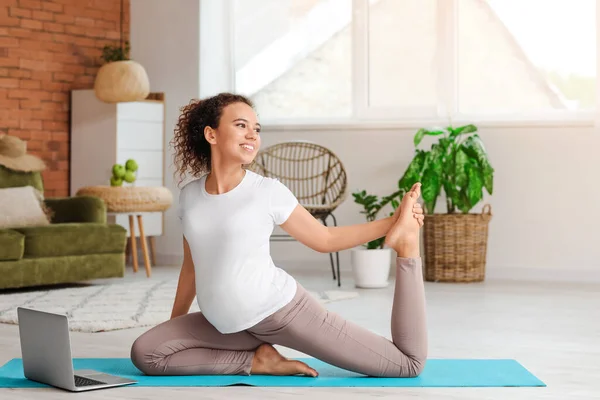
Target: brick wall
47, 48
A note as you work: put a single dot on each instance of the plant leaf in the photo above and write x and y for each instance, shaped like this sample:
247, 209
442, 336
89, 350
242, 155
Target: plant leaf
468, 128
369, 202
458, 193
474, 148
463, 129
460, 171
434, 133
413, 171
430, 189
449, 170
432, 178
419, 136
488, 179
463, 203
422, 132
377, 243
475, 187
451, 195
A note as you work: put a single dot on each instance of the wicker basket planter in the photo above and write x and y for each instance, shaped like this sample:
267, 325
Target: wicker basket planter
456, 246
121, 81
125, 199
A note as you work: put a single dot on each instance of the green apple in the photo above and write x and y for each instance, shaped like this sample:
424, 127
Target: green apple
116, 181
131, 165
129, 177
118, 171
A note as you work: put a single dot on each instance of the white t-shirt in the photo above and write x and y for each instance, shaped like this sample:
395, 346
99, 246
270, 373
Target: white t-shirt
237, 283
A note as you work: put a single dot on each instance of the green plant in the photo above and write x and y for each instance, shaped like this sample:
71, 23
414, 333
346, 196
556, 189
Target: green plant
372, 205
457, 163
115, 53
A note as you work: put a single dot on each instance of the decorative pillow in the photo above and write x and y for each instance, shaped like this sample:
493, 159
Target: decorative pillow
21, 207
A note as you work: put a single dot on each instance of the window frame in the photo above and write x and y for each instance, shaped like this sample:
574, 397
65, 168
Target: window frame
365, 117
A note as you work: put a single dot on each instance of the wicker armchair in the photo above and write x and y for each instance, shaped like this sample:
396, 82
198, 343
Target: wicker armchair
314, 174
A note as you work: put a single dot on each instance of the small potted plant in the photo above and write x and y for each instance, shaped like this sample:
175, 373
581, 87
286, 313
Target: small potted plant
120, 79
371, 262
455, 242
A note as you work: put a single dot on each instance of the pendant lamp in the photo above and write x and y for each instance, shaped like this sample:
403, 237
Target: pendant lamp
121, 79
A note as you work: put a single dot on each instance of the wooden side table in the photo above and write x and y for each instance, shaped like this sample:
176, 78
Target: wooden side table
133, 201
151, 241
133, 243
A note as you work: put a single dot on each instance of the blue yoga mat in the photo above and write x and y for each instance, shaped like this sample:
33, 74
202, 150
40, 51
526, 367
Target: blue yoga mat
437, 373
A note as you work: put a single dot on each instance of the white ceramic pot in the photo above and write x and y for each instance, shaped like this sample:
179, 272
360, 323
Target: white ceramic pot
371, 268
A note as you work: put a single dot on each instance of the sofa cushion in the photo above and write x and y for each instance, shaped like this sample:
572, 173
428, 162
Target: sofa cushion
12, 244
22, 207
71, 239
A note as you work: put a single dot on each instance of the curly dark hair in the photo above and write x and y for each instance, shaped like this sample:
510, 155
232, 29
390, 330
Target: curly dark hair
192, 151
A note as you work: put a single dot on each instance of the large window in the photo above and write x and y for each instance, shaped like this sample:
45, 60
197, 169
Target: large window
293, 57
536, 56
348, 60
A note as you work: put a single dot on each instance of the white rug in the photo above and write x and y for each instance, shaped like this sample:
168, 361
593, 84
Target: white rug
100, 308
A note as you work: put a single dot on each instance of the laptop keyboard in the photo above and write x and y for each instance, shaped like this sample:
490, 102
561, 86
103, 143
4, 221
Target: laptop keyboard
81, 381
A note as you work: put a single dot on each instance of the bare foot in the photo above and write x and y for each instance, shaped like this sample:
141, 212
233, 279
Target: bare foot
268, 361
404, 234
417, 209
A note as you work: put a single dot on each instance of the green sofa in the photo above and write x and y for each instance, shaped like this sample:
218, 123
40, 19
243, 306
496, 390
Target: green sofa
78, 245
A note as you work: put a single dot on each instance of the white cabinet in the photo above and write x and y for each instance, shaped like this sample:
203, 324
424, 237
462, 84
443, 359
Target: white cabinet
105, 134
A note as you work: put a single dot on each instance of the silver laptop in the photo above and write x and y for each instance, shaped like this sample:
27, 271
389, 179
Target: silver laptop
46, 353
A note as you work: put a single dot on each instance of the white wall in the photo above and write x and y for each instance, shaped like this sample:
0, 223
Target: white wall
165, 39
214, 42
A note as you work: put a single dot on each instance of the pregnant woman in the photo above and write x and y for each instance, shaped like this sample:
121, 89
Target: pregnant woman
247, 303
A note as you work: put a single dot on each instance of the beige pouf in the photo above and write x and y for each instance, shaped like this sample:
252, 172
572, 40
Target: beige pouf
123, 199
132, 200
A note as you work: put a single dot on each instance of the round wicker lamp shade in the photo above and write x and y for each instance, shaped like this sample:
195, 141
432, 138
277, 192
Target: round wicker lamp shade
122, 81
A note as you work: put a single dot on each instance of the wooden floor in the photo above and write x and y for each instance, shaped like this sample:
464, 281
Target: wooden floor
553, 329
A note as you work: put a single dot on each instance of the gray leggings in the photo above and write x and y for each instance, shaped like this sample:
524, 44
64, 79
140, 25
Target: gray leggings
190, 345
